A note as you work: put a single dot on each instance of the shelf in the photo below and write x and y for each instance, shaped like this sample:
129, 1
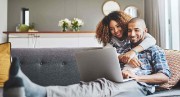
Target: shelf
48, 32
51, 39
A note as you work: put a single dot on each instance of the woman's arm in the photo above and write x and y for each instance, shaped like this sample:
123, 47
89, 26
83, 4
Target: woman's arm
145, 44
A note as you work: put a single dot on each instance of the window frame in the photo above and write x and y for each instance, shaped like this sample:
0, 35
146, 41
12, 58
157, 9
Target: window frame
24, 15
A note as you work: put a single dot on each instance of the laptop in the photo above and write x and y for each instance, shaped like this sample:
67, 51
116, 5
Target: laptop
99, 63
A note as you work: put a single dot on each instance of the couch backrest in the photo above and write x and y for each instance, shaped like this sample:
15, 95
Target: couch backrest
49, 66
55, 66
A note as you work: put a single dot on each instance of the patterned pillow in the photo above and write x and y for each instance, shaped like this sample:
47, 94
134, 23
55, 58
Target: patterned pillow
5, 57
173, 58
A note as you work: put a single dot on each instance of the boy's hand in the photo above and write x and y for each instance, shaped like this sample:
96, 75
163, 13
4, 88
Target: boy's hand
128, 74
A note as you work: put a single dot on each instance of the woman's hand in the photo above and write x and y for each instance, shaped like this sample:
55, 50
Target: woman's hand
134, 62
128, 56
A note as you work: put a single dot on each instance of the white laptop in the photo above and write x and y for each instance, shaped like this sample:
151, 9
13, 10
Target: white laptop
99, 63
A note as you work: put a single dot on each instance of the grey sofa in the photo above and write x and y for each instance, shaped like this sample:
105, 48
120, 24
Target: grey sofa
56, 66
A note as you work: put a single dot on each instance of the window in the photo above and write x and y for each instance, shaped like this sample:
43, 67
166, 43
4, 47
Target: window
173, 20
25, 16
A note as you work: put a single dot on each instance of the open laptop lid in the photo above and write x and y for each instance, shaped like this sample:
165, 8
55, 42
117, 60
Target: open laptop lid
100, 63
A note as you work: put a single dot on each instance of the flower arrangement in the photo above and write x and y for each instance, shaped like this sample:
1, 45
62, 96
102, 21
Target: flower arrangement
65, 24
76, 24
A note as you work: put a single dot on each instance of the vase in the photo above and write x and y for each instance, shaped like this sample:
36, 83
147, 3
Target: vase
64, 29
75, 29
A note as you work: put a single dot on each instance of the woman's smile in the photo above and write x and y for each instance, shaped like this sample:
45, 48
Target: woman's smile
115, 29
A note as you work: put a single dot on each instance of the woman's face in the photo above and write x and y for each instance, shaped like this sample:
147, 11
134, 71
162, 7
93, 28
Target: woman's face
115, 29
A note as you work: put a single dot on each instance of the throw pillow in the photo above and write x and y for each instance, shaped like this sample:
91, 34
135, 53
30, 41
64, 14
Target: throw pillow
5, 57
173, 58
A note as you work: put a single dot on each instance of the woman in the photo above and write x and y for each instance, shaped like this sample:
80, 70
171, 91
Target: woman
112, 31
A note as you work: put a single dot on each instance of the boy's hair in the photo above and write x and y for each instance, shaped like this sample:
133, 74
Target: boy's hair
139, 20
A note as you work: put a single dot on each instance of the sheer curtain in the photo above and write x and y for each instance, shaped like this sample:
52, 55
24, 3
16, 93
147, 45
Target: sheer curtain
155, 20
174, 24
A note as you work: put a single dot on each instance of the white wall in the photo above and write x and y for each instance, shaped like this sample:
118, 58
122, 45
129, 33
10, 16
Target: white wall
46, 13
3, 20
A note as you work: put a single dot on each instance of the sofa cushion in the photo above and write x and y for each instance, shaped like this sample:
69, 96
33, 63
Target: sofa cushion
5, 57
49, 66
173, 58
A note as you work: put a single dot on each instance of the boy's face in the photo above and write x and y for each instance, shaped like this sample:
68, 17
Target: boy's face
136, 32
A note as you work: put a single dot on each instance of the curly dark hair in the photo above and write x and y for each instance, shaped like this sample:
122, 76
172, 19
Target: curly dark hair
103, 33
